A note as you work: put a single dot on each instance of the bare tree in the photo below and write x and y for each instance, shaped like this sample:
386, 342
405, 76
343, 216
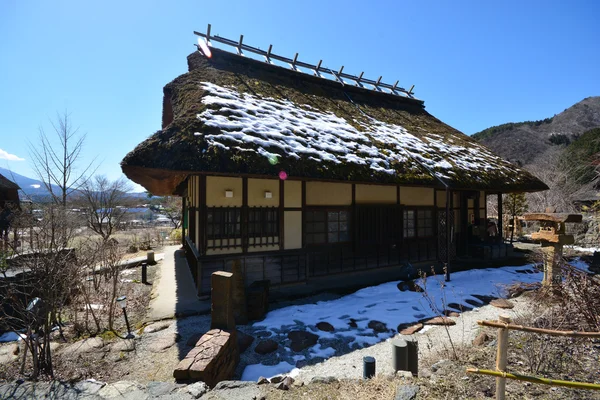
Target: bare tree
55, 163
49, 274
103, 200
564, 190
171, 207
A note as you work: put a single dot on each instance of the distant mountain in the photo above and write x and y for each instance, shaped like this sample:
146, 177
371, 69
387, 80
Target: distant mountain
35, 190
30, 188
524, 142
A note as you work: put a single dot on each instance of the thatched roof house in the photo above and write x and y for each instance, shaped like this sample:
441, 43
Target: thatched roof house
231, 114
235, 125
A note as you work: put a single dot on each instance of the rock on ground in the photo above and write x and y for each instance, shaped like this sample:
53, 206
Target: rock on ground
302, 340
406, 392
158, 326
234, 390
266, 347
90, 345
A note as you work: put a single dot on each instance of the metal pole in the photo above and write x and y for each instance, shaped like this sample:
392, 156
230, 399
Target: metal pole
144, 272
129, 335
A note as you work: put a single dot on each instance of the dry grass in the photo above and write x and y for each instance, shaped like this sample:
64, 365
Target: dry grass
377, 388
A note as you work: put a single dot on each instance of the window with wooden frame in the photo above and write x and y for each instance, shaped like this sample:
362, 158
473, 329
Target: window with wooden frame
326, 226
223, 223
417, 223
263, 221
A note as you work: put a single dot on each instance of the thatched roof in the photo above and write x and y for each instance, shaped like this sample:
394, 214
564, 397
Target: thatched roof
233, 115
6, 184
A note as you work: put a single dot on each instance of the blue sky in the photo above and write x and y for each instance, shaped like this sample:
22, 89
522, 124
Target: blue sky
475, 63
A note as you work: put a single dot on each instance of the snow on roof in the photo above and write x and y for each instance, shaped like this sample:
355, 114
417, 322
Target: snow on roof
273, 127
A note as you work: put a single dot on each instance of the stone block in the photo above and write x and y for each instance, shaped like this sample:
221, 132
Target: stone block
213, 360
221, 301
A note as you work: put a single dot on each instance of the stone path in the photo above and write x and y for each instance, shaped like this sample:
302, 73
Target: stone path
174, 292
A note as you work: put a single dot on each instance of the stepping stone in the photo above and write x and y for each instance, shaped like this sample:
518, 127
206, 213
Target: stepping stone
440, 321
352, 323
474, 303
410, 286
302, 340
449, 313
266, 347
502, 303
484, 299
459, 307
378, 326
411, 330
325, 327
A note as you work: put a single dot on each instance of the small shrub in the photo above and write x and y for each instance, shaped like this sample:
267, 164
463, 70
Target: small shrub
175, 235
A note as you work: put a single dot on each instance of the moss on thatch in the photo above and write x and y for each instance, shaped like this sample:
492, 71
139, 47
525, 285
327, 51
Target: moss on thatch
182, 147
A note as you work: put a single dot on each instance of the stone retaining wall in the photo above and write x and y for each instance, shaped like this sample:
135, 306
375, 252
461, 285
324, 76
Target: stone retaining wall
212, 360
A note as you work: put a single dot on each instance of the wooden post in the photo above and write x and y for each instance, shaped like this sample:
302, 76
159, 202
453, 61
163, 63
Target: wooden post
501, 357
150, 258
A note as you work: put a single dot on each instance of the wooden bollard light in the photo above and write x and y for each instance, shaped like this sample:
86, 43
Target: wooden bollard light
368, 367
399, 355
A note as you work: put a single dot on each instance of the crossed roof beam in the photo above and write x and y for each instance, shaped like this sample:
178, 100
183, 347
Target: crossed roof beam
317, 70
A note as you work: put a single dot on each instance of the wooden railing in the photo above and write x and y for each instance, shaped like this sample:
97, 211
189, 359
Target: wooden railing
504, 326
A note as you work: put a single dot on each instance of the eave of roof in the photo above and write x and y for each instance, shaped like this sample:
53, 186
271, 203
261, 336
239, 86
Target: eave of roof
6, 183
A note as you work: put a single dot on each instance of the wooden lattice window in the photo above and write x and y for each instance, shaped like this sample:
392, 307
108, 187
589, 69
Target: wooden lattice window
263, 221
223, 223
326, 226
417, 223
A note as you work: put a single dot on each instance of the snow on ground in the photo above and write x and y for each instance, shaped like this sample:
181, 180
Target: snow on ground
10, 337
384, 303
583, 249
580, 264
255, 371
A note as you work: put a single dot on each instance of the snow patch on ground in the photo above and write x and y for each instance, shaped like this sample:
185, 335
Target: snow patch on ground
384, 303
255, 371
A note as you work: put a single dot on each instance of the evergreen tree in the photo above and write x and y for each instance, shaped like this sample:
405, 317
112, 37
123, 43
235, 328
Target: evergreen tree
515, 204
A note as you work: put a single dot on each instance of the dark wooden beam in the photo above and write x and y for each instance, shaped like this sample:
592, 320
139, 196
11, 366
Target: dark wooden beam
500, 230
303, 212
202, 215
281, 214
244, 216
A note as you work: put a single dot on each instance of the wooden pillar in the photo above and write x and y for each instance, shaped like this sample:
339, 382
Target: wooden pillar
501, 357
448, 234
184, 219
244, 216
500, 228
202, 216
281, 214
